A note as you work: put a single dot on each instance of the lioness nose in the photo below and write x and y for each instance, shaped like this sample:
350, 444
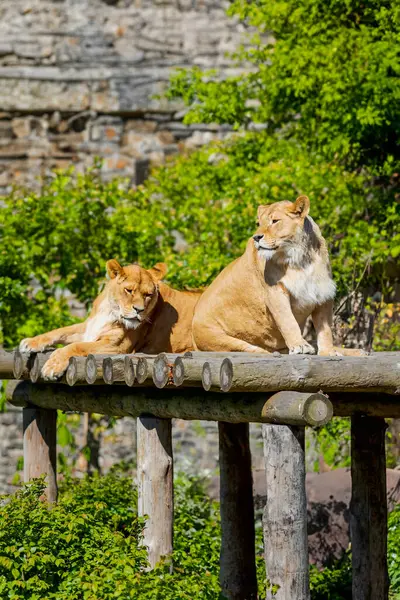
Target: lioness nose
139, 309
258, 236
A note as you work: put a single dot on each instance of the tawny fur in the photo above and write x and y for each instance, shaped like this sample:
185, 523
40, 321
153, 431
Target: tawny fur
136, 312
260, 302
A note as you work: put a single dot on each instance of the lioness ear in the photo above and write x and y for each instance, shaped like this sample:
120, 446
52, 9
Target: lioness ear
260, 210
113, 268
158, 271
301, 207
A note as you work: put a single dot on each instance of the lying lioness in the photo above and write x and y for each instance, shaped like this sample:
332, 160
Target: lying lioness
260, 302
135, 312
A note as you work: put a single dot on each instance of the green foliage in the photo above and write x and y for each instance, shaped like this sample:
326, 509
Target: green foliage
325, 73
65, 233
333, 583
394, 551
88, 546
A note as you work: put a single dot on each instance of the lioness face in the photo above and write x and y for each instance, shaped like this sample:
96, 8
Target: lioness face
133, 291
280, 226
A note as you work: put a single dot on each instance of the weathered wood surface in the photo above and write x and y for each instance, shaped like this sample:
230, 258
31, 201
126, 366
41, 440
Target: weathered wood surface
40, 443
310, 374
368, 509
76, 372
162, 369
114, 369
130, 364
238, 577
285, 513
6, 365
24, 363
210, 375
304, 409
144, 370
239, 372
94, 368
155, 485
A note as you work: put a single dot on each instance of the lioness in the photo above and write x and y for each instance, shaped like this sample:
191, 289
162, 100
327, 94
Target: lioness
136, 311
260, 302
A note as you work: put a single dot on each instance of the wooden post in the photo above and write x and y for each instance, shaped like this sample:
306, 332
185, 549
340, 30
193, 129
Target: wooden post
155, 484
285, 513
40, 447
238, 577
368, 508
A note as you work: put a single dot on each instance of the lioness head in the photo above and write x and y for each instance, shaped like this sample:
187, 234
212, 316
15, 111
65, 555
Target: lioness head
133, 291
280, 227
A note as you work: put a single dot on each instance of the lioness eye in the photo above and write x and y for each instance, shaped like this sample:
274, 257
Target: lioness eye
275, 221
128, 290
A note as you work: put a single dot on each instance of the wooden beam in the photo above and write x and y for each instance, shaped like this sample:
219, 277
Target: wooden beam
285, 514
368, 509
40, 447
295, 408
155, 485
311, 374
238, 576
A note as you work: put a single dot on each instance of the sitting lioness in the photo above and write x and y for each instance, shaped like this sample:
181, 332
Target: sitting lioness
260, 302
135, 312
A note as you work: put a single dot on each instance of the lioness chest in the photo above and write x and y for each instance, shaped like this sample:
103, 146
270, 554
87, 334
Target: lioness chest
308, 288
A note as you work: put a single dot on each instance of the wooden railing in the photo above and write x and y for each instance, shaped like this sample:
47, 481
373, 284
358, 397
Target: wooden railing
286, 393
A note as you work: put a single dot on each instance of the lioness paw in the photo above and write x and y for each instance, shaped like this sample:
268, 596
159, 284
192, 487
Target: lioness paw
55, 367
35, 344
304, 348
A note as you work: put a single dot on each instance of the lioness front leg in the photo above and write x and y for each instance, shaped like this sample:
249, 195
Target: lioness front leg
322, 317
58, 362
64, 335
278, 303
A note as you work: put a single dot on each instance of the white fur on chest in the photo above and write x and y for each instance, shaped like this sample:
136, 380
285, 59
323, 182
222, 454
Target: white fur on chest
98, 324
309, 287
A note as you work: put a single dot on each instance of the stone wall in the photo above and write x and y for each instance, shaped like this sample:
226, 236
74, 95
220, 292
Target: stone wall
78, 80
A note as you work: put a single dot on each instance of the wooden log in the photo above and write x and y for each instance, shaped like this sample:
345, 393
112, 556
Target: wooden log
23, 363
39, 360
6, 365
114, 369
40, 443
191, 369
144, 369
162, 369
155, 485
190, 404
311, 374
285, 514
368, 509
210, 375
94, 368
238, 577
130, 370
187, 371
76, 372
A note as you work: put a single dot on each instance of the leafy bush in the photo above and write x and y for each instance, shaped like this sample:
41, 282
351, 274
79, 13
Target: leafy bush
88, 546
394, 551
324, 73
